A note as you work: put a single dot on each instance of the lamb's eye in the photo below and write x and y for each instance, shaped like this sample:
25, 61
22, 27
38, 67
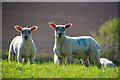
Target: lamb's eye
63, 28
29, 31
22, 32
56, 28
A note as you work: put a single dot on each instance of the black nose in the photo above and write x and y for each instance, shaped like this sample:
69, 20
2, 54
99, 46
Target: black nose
25, 37
59, 34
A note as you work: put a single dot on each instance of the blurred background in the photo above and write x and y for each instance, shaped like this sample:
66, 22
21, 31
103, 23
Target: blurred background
96, 19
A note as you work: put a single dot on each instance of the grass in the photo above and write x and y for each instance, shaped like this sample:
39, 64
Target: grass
51, 70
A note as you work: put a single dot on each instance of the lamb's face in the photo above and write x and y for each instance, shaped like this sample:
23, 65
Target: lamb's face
60, 29
26, 32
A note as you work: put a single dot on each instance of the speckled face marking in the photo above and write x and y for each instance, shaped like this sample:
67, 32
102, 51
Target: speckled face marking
81, 41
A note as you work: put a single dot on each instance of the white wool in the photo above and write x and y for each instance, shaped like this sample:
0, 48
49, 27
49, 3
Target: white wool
74, 47
24, 49
106, 62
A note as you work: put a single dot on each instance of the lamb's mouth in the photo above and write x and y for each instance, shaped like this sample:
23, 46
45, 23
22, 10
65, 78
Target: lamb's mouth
26, 38
60, 35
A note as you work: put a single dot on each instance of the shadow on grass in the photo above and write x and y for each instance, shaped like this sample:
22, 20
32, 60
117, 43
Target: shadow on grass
39, 58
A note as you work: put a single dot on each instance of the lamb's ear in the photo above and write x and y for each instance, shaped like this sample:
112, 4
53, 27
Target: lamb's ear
68, 25
18, 28
51, 24
34, 28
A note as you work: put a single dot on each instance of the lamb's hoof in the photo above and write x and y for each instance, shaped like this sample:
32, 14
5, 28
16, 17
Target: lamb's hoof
31, 63
99, 67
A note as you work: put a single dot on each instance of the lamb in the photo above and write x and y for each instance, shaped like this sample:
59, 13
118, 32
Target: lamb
23, 46
106, 63
74, 47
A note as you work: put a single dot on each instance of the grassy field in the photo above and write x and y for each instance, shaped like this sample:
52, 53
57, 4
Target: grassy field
51, 70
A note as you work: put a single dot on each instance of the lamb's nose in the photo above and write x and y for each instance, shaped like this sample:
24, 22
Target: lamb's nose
26, 37
59, 34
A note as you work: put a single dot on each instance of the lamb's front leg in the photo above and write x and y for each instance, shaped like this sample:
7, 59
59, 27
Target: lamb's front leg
56, 61
60, 60
68, 59
25, 60
19, 58
32, 59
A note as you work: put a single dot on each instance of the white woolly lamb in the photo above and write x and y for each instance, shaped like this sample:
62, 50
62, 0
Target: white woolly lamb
23, 46
106, 63
74, 47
